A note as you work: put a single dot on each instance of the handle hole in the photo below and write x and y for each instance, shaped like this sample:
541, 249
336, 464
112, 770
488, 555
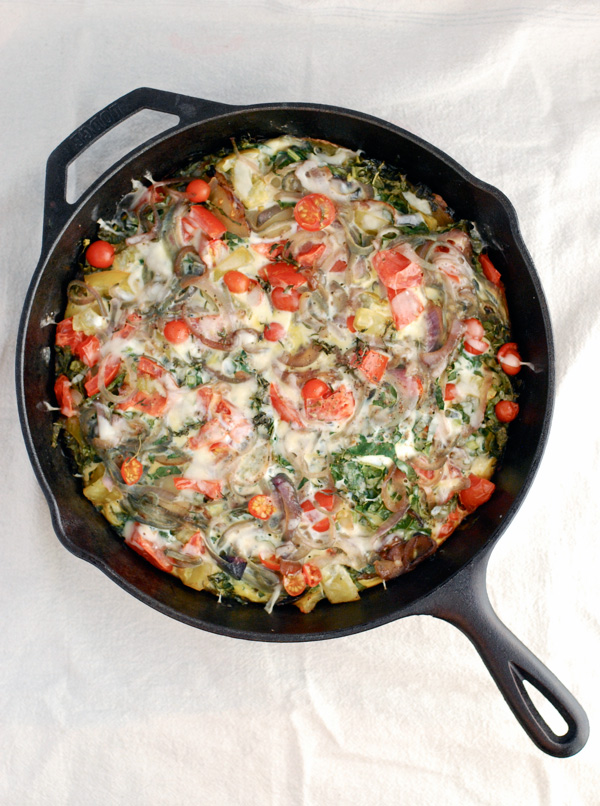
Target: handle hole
111, 146
546, 710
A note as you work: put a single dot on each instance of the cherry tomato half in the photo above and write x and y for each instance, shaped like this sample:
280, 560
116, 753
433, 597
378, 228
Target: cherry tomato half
314, 389
198, 191
176, 331
295, 584
100, 254
236, 282
506, 410
131, 470
312, 574
509, 358
285, 299
261, 506
314, 212
274, 332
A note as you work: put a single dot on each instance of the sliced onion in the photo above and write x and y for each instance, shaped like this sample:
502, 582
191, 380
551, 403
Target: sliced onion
290, 504
94, 296
393, 491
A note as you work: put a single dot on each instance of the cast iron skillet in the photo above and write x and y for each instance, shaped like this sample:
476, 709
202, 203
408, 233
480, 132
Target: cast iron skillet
450, 585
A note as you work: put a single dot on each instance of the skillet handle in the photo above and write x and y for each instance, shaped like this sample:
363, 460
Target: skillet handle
463, 601
189, 110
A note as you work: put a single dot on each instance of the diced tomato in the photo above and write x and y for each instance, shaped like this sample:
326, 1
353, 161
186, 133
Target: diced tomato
272, 563
64, 396
132, 470
373, 365
201, 218
284, 409
274, 332
66, 336
152, 404
396, 271
450, 391
506, 410
132, 321
312, 574
339, 265
295, 584
325, 499
314, 212
269, 250
317, 523
454, 518
283, 275
337, 406
310, 255
290, 567
110, 372
406, 307
285, 299
195, 545
209, 488
314, 389
509, 358
478, 493
148, 367
261, 506
89, 351
150, 552
489, 270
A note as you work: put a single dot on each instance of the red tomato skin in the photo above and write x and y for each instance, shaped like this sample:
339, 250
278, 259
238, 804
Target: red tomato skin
153, 405
314, 212
373, 365
284, 409
350, 324
148, 367
478, 493
450, 391
325, 499
283, 275
197, 191
236, 281
272, 563
89, 351
210, 488
176, 331
337, 406
489, 270
111, 370
396, 271
100, 254
310, 256
201, 218
285, 300
274, 332
509, 349
64, 396
148, 551
506, 410
314, 389
339, 265
66, 336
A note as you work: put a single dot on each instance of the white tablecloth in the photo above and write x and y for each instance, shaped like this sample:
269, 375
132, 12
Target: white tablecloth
104, 700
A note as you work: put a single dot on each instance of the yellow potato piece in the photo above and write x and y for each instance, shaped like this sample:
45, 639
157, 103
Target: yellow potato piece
338, 585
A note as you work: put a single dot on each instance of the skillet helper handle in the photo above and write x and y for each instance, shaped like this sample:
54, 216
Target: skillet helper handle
463, 601
189, 110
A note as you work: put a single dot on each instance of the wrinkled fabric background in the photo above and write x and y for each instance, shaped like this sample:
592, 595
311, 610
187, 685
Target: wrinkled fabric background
105, 701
